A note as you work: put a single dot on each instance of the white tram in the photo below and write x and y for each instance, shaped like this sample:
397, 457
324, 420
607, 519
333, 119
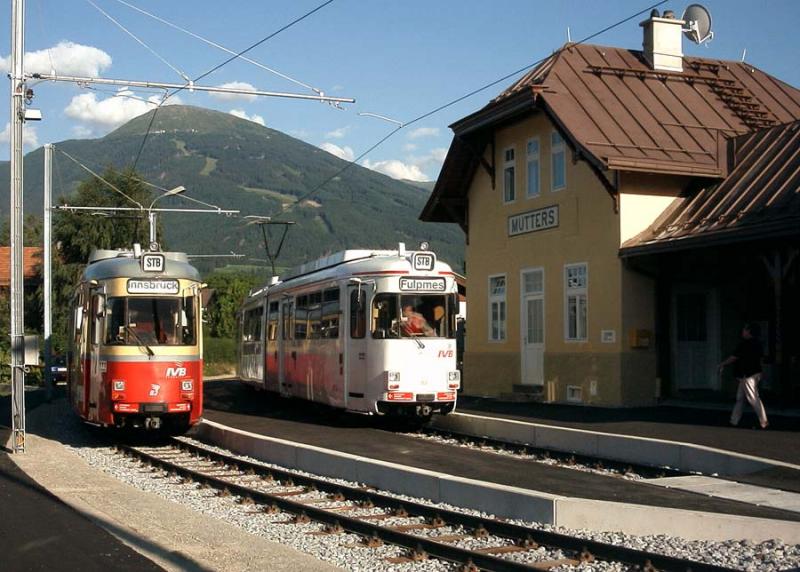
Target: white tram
367, 331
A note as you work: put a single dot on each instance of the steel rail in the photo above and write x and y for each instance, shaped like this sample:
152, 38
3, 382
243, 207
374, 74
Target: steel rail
518, 533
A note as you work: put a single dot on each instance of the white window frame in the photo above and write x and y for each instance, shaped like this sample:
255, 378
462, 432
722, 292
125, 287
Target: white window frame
579, 292
510, 164
531, 157
556, 148
502, 317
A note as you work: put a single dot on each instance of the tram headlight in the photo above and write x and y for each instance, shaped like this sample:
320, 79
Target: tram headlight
454, 379
392, 380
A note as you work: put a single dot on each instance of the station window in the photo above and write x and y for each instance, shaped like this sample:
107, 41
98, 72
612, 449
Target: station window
509, 176
576, 282
497, 308
558, 162
533, 167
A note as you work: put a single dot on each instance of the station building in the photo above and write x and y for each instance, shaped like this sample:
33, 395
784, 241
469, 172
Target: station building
625, 212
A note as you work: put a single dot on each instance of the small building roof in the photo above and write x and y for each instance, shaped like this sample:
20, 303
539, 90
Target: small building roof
760, 197
31, 257
620, 114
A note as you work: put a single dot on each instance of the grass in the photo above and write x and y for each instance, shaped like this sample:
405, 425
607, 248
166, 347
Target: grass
219, 356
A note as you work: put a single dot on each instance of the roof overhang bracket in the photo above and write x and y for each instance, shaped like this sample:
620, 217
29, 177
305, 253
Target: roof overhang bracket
479, 155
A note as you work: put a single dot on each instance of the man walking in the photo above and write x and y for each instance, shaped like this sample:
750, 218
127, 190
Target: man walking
747, 369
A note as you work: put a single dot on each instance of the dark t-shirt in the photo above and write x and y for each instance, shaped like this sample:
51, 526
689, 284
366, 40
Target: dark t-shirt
748, 358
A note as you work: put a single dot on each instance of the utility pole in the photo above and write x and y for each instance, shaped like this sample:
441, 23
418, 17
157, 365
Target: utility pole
17, 286
47, 269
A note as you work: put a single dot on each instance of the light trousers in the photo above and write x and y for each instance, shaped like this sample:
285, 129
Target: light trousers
748, 389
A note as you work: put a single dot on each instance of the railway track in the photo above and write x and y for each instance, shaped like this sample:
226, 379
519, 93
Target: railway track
539, 454
424, 531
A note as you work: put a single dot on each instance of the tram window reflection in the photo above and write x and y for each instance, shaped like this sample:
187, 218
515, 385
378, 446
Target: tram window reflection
151, 321
411, 315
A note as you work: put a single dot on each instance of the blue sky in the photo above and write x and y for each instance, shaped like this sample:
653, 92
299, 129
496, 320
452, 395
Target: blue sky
397, 58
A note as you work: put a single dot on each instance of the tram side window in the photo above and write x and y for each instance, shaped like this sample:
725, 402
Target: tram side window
384, 317
358, 314
315, 315
288, 311
115, 318
301, 317
330, 314
272, 321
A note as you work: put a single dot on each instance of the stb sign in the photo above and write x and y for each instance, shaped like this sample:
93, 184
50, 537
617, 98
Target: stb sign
531, 221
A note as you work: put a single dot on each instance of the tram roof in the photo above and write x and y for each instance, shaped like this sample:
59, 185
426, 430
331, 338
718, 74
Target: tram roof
105, 264
348, 262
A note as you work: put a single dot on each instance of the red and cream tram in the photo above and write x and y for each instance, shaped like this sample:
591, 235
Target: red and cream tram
135, 356
367, 331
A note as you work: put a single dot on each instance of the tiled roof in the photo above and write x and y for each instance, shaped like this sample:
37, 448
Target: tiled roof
31, 259
620, 114
760, 195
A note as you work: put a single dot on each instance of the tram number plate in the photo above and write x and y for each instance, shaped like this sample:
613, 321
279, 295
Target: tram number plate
422, 284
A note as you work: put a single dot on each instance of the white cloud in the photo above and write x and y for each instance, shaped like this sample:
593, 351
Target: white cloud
113, 111
29, 138
242, 114
408, 147
420, 132
414, 168
337, 133
235, 96
397, 169
66, 58
345, 152
82, 132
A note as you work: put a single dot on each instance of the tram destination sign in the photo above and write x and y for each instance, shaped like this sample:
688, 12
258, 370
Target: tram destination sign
422, 284
153, 286
532, 221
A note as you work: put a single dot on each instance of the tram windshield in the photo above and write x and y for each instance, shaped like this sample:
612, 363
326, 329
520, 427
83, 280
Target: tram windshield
413, 315
151, 321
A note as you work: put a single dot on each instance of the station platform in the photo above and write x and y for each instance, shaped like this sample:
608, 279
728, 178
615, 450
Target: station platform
696, 423
239, 406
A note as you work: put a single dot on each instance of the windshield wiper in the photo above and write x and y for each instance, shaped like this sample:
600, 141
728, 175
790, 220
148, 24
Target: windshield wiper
131, 331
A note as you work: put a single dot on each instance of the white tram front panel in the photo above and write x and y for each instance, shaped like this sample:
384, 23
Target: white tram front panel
406, 363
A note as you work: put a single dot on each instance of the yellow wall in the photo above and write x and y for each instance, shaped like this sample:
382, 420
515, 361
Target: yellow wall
589, 232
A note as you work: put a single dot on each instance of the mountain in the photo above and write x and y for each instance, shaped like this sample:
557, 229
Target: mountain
426, 186
237, 164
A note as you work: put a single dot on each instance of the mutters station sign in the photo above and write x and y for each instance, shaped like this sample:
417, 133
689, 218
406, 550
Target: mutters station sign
531, 221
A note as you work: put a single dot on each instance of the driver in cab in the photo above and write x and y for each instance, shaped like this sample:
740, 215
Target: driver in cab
414, 324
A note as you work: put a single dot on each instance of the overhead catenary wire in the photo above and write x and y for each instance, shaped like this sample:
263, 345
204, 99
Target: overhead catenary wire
88, 169
220, 65
403, 124
139, 40
219, 46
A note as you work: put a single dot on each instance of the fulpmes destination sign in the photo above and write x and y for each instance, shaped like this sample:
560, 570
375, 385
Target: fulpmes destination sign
153, 286
422, 284
531, 221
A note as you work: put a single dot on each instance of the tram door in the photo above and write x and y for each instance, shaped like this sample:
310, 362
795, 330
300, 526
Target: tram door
355, 355
285, 369
95, 330
271, 353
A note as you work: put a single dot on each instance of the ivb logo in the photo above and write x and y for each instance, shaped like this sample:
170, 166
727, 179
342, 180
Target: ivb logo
445, 354
176, 371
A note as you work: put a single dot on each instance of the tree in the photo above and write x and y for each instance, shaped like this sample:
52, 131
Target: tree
231, 290
76, 235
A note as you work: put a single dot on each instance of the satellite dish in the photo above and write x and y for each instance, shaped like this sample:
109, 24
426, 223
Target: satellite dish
698, 23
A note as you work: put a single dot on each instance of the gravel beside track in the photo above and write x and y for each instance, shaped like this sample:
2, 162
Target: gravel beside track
337, 549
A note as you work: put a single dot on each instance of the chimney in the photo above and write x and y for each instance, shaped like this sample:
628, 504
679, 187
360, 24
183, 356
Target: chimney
662, 45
